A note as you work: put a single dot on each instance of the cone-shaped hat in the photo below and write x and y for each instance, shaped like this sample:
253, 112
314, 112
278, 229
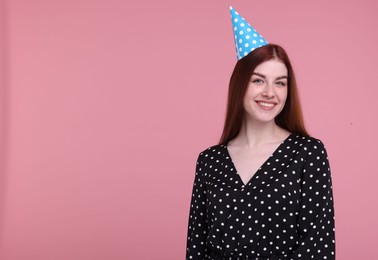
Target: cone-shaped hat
246, 37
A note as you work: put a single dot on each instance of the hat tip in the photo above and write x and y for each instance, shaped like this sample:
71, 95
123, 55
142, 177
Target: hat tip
231, 7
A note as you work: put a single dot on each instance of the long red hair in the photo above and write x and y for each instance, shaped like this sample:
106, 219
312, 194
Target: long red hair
290, 118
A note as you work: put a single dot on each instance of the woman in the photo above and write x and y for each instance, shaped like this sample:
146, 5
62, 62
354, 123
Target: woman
265, 191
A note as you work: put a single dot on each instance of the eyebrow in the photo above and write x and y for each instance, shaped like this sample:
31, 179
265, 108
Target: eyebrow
264, 77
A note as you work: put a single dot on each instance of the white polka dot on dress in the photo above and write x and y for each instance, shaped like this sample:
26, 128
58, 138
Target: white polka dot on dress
284, 212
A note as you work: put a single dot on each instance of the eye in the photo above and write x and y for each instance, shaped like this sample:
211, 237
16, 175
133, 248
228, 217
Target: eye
281, 83
257, 81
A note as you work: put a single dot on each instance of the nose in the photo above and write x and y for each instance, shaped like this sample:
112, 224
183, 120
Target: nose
268, 91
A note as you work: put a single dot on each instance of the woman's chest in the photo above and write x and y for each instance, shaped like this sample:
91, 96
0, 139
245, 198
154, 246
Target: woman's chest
276, 183
247, 163
248, 160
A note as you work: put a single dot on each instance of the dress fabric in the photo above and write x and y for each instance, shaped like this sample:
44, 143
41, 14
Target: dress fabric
284, 212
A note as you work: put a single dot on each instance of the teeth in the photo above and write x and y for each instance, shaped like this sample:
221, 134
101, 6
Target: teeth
266, 104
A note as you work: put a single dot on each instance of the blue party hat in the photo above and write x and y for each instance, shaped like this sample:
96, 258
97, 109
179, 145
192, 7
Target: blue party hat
246, 37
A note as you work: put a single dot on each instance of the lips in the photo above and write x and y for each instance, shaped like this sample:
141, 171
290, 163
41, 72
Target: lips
267, 105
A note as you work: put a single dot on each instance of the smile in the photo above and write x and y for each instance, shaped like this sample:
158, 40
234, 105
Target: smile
266, 105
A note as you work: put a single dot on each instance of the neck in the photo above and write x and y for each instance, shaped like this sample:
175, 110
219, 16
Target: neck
255, 134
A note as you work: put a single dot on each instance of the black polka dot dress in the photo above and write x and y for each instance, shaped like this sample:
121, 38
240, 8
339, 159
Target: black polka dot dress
284, 212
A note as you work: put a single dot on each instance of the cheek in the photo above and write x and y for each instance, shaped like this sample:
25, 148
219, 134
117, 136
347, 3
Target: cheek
284, 95
248, 98
250, 93
245, 101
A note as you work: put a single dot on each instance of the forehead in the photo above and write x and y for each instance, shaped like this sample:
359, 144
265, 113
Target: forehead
272, 68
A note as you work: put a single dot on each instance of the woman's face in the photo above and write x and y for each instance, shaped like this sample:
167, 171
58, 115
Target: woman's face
266, 92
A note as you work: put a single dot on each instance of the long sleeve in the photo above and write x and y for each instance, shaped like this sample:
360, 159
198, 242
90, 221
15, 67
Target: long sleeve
197, 226
315, 224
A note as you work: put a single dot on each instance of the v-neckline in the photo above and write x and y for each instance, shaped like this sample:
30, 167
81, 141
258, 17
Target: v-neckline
262, 165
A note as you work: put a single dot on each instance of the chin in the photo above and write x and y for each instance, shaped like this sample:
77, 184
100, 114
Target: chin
264, 120
267, 121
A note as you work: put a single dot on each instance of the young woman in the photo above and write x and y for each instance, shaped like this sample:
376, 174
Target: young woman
265, 191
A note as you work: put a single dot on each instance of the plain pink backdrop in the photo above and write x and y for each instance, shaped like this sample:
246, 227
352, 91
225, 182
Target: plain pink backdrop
105, 105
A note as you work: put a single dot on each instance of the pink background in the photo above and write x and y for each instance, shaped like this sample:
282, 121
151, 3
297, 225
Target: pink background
105, 105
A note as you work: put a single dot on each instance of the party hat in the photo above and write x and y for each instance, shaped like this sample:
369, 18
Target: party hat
246, 37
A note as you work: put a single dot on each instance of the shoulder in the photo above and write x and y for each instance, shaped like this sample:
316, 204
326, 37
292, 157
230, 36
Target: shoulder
311, 148
307, 142
217, 151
